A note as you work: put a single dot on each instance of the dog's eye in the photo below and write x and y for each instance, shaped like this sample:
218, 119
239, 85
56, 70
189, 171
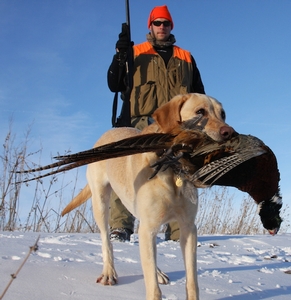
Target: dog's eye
201, 112
223, 115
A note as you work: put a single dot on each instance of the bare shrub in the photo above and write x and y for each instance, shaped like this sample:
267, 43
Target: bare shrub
223, 212
12, 158
48, 203
47, 198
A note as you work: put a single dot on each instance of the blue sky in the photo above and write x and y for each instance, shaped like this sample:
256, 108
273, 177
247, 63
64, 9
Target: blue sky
54, 57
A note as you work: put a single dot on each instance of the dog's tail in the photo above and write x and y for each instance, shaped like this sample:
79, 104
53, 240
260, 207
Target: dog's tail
82, 197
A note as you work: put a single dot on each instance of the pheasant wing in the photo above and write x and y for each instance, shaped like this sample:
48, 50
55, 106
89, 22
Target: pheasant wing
211, 172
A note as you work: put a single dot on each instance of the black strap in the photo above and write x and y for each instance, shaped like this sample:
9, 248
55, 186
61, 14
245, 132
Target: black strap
114, 109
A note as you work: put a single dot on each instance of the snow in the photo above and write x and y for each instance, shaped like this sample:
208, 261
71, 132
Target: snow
66, 266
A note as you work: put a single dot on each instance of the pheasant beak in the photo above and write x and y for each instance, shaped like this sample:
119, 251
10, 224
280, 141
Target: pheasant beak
273, 231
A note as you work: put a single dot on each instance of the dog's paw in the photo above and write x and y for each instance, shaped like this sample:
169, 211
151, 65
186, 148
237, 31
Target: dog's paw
162, 277
107, 279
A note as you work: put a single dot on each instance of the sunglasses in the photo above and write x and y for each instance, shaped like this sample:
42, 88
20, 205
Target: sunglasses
159, 23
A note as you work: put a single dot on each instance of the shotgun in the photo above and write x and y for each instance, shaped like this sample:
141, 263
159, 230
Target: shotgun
124, 120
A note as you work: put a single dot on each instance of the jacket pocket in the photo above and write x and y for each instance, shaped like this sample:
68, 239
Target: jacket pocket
145, 99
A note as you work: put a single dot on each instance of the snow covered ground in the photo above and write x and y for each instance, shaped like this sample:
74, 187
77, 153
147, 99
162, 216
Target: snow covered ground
67, 265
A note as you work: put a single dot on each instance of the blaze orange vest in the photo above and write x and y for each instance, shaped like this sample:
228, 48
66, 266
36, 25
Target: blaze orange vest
154, 83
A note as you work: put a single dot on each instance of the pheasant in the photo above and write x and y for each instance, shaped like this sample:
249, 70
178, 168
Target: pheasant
243, 161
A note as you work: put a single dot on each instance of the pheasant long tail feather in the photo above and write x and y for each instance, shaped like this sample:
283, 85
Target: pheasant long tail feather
65, 167
133, 145
137, 144
128, 146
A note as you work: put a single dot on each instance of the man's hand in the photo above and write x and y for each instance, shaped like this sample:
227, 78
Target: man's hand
123, 43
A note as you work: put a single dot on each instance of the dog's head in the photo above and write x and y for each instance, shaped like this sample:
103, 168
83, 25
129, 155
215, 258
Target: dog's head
186, 107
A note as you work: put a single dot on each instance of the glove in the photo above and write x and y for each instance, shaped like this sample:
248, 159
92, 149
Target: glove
123, 43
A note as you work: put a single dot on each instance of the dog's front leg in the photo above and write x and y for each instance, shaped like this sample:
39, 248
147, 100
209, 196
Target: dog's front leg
147, 245
188, 242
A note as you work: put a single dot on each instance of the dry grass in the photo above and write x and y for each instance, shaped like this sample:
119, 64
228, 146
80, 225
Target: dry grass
221, 212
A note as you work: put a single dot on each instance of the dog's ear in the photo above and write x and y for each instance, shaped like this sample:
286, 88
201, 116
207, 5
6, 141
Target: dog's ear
168, 115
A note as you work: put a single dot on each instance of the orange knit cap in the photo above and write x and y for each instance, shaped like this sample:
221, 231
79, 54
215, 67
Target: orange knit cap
160, 12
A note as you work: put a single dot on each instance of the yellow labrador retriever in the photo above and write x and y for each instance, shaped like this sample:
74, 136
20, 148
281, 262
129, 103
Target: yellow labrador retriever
155, 201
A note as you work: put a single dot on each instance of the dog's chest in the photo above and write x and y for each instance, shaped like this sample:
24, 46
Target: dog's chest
186, 188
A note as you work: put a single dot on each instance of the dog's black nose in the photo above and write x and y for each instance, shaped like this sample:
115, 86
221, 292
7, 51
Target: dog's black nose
227, 132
